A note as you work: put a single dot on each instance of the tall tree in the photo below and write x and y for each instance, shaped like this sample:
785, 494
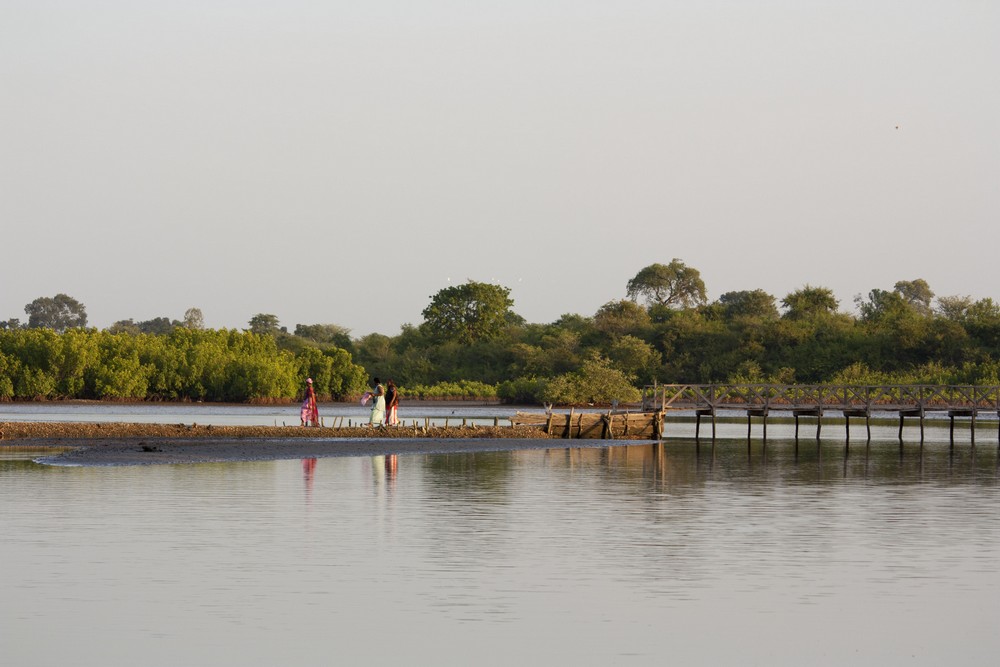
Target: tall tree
809, 301
882, 304
325, 333
264, 324
755, 304
124, 326
954, 307
618, 318
675, 285
59, 313
467, 313
161, 325
193, 319
917, 293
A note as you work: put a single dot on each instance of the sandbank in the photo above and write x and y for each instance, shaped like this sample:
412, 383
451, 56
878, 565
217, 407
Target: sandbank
141, 444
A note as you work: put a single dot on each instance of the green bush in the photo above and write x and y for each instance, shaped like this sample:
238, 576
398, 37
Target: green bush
524, 390
463, 389
595, 382
186, 364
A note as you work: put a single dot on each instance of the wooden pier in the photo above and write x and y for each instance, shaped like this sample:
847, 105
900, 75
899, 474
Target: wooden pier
851, 401
765, 400
593, 425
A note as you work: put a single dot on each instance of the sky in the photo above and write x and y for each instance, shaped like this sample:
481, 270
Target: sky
342, 162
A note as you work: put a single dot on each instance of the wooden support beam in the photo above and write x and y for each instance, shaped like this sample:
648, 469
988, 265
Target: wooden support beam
757, 412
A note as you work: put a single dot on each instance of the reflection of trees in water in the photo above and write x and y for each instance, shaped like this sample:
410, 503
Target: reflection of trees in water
487, 474
783, 462
469, 499
676, 468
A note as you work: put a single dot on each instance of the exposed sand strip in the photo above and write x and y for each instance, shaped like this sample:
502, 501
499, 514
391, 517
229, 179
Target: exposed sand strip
138, 444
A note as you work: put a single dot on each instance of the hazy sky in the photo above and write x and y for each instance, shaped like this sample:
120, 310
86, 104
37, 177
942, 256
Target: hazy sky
340, 162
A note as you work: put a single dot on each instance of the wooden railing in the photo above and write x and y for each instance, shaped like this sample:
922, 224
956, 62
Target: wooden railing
730, 396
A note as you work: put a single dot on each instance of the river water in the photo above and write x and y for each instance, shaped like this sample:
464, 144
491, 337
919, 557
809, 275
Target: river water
641, 554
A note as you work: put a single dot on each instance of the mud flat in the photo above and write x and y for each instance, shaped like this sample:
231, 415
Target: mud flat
137, 444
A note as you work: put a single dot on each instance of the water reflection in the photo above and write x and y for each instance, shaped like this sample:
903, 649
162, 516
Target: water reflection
384, 471
636, 554
308, 474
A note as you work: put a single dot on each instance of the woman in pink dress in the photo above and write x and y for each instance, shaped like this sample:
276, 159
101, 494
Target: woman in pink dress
309, 414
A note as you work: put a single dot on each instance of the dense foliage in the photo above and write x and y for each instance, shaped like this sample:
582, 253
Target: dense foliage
468, 313
472, 345
59, 312
898, 337
184, 364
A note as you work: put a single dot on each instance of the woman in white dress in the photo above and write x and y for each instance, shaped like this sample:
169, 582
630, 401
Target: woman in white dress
378, 405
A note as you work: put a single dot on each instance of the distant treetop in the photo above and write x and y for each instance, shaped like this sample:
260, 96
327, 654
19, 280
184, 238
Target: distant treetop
60, 312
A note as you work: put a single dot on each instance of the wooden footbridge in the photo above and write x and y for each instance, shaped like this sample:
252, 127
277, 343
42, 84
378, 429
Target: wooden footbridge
761, 400
764, 400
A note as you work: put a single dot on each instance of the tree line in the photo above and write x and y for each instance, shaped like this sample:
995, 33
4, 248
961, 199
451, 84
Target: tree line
666, 330
471, 342
184, 364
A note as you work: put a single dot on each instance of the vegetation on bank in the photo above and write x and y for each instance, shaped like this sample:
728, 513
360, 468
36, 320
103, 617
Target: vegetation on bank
471, 344
185, 364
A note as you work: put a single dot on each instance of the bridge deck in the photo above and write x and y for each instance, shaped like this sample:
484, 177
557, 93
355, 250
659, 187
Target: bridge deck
759, 400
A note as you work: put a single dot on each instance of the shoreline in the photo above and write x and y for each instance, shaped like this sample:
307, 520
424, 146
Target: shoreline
89, 444
174, 452
98, 431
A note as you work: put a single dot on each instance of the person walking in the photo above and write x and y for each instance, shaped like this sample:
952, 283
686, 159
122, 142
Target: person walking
391, 402
378, 405
309, 413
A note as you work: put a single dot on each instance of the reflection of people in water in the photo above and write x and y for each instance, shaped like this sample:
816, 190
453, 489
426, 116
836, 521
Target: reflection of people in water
310, 412
384, 472
308, 471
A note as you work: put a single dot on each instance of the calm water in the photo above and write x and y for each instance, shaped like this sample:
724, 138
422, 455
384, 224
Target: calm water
222, 414
631, 555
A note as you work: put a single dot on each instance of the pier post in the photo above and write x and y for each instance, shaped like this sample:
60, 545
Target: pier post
911, 412
757, 412
858, 412
704, 412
